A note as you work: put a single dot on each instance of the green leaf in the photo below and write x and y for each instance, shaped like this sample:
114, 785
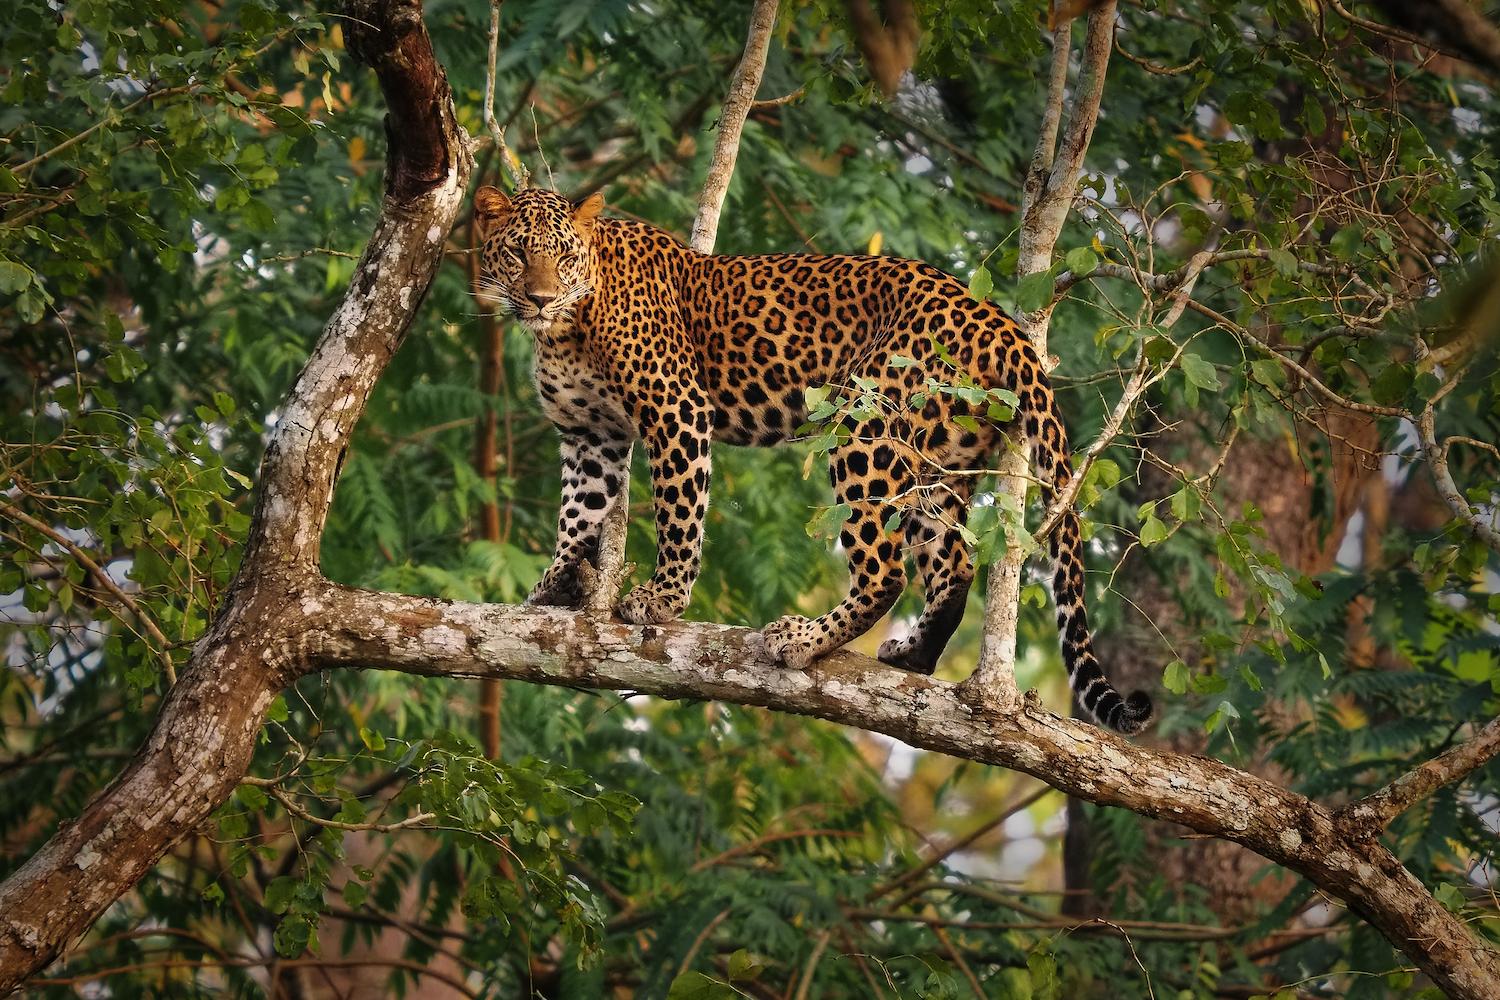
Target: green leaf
13, 276
1081, 260
372, 740
1175, 677
1392, 384
981, 283
743, 966
1199, 372
1153, 530
828, 520
1034, 291
1284, 261
355, 894
1042, 965
252, 797
1185, 503
280, 893
1450, 896
1268, 373
697, 986
1245, 107
1312, 115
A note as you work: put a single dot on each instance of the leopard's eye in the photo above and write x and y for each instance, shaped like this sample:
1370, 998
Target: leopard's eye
567, 260
515, 253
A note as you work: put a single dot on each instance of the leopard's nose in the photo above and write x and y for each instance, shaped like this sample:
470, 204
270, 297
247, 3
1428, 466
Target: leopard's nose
542, 299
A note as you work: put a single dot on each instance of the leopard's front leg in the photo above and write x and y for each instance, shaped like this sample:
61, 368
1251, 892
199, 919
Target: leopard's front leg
593, 474
677, 446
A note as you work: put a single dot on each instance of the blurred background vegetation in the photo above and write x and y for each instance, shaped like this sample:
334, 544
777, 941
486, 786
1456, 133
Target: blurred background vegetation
184, 185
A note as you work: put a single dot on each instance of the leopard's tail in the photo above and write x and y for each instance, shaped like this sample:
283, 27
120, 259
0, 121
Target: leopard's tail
1049, 455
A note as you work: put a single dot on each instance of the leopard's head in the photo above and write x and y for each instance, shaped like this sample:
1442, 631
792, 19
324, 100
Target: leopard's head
535, 258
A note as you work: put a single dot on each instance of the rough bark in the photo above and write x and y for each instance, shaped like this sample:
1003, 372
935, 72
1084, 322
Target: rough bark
204, 737
283, 620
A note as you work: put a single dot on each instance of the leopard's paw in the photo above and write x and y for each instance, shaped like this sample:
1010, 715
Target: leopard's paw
646, 606
789, 640
560, 587
905, 654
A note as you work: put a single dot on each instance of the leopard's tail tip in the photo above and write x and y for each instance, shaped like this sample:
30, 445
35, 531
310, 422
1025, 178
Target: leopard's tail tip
1134, 714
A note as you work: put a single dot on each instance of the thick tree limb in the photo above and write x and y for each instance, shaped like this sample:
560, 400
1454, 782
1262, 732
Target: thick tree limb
206, 732
282, 620
439, 638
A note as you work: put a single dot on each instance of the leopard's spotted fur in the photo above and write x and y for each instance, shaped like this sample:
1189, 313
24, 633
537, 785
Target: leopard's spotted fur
639, 337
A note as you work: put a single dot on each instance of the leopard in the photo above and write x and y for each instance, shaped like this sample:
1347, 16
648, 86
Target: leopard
637, 338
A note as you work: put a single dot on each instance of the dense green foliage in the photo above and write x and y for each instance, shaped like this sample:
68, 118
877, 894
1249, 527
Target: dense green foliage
182, 188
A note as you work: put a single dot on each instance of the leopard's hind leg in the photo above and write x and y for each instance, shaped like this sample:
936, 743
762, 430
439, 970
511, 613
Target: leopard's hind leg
872, 477
944, 564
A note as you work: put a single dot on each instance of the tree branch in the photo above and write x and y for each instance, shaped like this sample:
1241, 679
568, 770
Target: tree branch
203, 740
366, 630
1374, 813
742, 88
519, 175
1436, 453
101, 577
1047, 194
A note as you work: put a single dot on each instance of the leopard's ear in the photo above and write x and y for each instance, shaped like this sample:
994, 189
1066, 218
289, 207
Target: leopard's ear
587, 210
490, 203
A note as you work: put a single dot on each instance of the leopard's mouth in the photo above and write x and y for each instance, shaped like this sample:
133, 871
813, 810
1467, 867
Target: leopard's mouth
540, 319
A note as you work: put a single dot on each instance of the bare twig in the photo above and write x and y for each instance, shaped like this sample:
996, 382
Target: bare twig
693, 949
1436, 453
942, 855
1375, 812
819, 946
513, 165
102, 578
294, 807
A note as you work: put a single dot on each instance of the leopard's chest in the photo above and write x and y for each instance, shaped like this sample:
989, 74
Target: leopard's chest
575, 396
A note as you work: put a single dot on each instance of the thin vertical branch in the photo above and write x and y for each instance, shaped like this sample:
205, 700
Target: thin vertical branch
513, 165
742, 88
1436, 453
1051, 182
1046, 140
486, 466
